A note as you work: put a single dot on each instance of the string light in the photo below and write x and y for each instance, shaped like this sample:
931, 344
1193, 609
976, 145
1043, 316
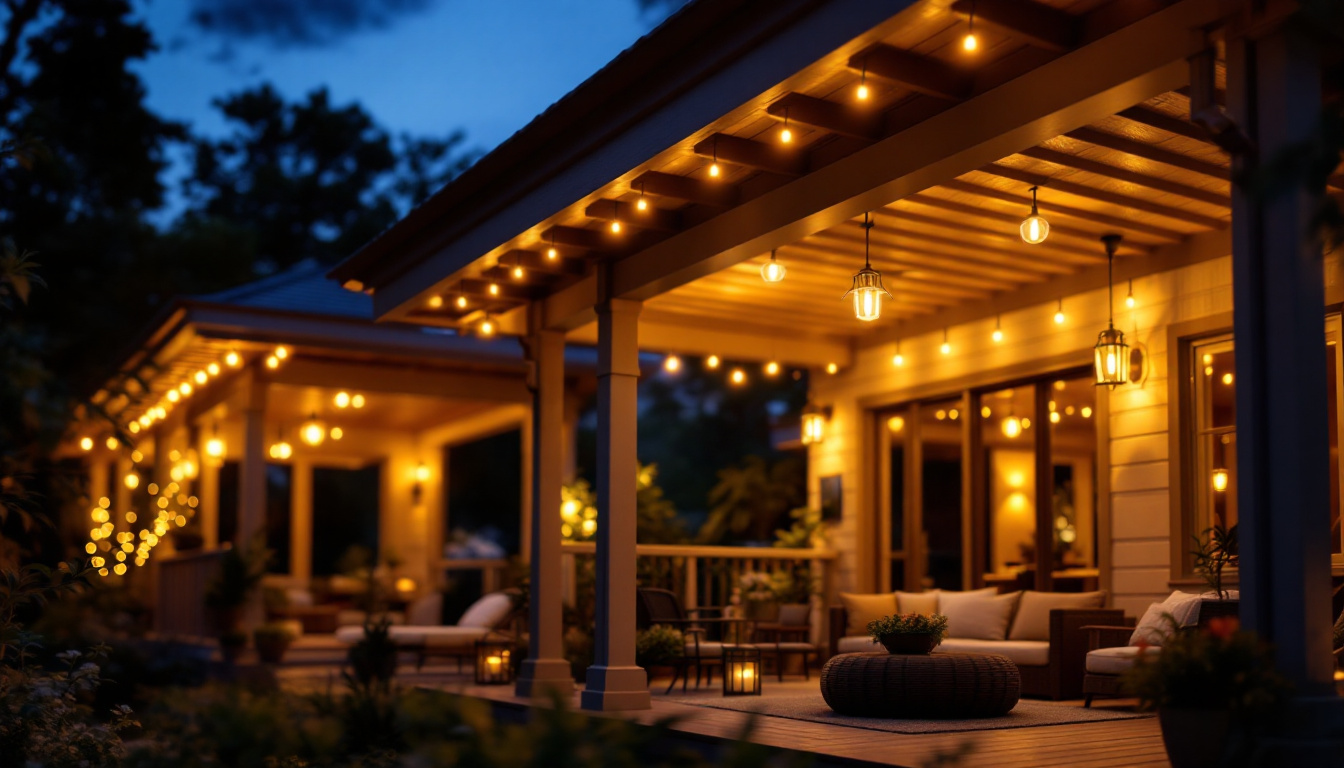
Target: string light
772, 368
641, 204
357, 401
786, 135
185, 388
672, 363
232, 359
272, 362
112, 443
1034, 228
772, 271
314, 431
486, 328
945, 348
1129, 300
898, 359
714, 170
86, 443
435, 302
461, 301
832, 368
738, 376
615, 220
202, 377
1059, 313
552, 253
970, 43
341, 400
712, 362
212, 369
281, 352
863, 84
494, 289
998, 329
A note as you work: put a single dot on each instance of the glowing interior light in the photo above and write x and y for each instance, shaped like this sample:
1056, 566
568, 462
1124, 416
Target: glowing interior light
435, 302
832, 368
712, 362
672, 364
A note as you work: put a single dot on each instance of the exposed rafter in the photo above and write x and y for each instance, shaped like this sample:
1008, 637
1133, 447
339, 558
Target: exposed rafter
1122, 174
922, 74
506, 292
1037, 24
757, 155
578, 237
1081, 190
1154, 119
1051, 207
830, 116
651, 218
685, 188
1149, 152
539, 262
964, 209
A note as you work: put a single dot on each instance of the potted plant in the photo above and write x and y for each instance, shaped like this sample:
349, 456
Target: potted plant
1213, 687
909, 632
1216, 550
374, 657
659, 646
232, 644
272, 640
758, 594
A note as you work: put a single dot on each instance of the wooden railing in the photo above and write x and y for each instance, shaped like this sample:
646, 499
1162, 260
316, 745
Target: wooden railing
181, 581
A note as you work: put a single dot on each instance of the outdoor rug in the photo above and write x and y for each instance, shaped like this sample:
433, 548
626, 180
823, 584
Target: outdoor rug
812, 708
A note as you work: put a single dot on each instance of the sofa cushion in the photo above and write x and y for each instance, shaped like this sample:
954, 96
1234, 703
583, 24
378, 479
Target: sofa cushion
861, 609
925, 602
430, 636
856, 644
1024, 653
977, 616
1154, 627
1117, 660
426, 610
487, 612
1032, 621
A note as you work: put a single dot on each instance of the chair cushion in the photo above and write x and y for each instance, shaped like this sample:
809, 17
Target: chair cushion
429, 636
426, 610
1024, 653
856, 644
1032, 621
861, 609
977, 616
709, 649
918, 602
1154, 627
487, 612
1115, 661
795, 614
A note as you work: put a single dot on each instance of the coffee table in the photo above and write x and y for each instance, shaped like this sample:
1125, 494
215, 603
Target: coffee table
921, 686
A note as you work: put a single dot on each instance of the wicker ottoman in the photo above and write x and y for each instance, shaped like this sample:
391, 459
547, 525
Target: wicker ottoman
933, 686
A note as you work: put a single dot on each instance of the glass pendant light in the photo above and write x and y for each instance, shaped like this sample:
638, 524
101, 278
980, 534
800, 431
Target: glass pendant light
1034, 228
1111, 353
970, 42
714, 170
772, 271
314, 431
867, 289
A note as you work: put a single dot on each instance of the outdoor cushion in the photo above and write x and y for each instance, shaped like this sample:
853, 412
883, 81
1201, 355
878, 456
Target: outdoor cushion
977, 616
1154, 627
861, 609
856, 644
708, 649
1114, 661
1024, 653
918, 602
487, 612
1032, 621
794, 614
426, 610
434, 636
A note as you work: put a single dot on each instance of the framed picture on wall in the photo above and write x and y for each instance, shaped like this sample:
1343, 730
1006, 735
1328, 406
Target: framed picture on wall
832, 498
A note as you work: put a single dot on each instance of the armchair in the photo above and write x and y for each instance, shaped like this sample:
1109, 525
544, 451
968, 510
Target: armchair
660, 606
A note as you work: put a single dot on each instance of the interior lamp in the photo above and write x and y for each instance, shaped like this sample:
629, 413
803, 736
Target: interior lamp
772, 271
1111, 358
1034, 228
814, 424
313, 431
867, 289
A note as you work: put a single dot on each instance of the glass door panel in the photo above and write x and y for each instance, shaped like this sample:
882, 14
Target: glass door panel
940, 433
896, 428
1007, 421
1073, 449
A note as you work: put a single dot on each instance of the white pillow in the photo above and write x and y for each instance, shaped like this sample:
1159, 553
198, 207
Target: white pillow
487, 612
1032, 621
1154, 627
977, 616
925, 602
426, 610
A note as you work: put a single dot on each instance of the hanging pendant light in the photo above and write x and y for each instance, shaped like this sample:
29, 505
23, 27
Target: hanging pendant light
772, 271
867, 289
714, 170
970, 42
314, 431
1111, 352
1034, 228
785, 135
863, 91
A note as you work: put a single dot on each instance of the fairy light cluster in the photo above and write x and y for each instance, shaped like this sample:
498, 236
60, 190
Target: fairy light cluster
114, 551
190, 385
738, 375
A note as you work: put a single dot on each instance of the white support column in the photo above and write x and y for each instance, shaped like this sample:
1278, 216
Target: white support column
615, 682
252, 474
546, 669
1274, 94
301, 521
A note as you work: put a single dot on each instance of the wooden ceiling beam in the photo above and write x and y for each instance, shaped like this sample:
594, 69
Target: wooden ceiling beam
830, 116
1154, 119
1081, 190
618, 210
686, 188
535, 261
1150, 152
966, 210
943, 249
921, 74
757, 155
810, 260
1039, 25
578, 237
968, 233
1103, 219
506, 292
1132, 177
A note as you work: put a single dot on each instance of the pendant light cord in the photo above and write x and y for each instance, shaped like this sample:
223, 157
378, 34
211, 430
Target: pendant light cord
867, 230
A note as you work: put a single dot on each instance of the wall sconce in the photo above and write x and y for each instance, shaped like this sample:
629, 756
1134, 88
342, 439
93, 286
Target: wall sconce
741, 672
216, 450
1220, 480
421, 476
494, 662
814, 423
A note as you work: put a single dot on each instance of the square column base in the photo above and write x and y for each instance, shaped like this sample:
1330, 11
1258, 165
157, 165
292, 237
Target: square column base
611, 689
542, 677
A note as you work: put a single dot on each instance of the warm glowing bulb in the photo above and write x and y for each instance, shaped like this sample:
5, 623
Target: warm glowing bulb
898, 360
421, 473
132, 480
940, 414
486, 328
86, 443
863, 91
786, 135
1227, 378
738, 376
133, 427
435, 302
202, 377
551, 253
714, 170
832, 368
357, 401
313, 432
615, 227
184, 388
137, 457
112, 443
1012, 427
867, 303
969, 42
772, 271
336, 433
461, 302
895, 423
672, 364
1086, 411
986, 412
997, 336
517, 273
1034, 229
272, 362
494, 289
212, 369
642, 204
945, 348
281, 353
1129, 301
1055, 417
341, 400
1059, 317
214, 448
233, 360
771, 368
173, 396
712, 362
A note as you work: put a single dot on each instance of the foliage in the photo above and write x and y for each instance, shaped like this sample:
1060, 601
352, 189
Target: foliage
1213, 667
656, 517
909, 624
240, 571
752, 499
659, 645
273, 631
755, 587
807, 530
1216, 549
373, 659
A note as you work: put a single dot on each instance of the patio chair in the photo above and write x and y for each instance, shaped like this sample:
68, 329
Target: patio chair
788, 636
426, 637
660, 606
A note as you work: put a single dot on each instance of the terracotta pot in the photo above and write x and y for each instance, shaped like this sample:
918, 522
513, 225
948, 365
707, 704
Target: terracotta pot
1195, 738
910, 643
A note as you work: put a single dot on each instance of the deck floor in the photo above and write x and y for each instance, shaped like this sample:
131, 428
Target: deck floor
1130, 742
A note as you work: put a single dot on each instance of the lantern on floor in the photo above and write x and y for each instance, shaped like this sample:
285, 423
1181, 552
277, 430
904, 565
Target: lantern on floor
494, 661
814, 424
867, 289
741, 671
1112, 353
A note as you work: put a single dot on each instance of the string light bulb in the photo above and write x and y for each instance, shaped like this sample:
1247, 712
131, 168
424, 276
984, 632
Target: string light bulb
738, 377
772, 368
314, 431
867, 289
435, 302
486, 328
461, 302
494, 289
712, 362
552, 253
1129, 299
970, 42
232, 359
832, 368
86, 443
1059, 313
997, 336
641, 204
1034, 228
863, 92
772, 271
785, 135
714, 169
945, 347
672, 364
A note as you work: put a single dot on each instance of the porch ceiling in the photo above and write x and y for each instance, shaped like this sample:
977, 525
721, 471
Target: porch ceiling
289, 405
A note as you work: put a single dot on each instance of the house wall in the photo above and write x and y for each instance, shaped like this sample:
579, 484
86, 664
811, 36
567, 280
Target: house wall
1138, 539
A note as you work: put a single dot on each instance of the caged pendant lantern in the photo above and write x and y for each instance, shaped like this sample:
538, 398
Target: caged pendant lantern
867, 290
1111, 353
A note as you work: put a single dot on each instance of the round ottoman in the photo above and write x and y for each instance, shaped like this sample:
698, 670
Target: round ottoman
919, 686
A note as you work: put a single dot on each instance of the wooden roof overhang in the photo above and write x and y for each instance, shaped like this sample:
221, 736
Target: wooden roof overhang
1084, 98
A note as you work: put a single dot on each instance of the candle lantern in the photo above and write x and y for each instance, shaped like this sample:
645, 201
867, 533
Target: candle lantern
494, 662
741, 672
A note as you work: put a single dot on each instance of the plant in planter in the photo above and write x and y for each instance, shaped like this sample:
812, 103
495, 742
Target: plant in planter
909, 632
1216, 550
232, 644
659, 646
272, 640
758, 594
1213, 687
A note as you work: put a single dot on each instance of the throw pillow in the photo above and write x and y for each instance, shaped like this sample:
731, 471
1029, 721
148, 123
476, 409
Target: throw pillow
1154, 627
918, 602
861, 609
1033, 612
975, 616
487, 612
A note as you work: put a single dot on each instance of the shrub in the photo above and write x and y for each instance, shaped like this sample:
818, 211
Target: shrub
659, 645
909, 624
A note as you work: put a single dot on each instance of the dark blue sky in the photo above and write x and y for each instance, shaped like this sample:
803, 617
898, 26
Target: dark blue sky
422, 66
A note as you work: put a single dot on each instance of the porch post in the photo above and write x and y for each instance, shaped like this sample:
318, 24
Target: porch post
546, 668
252, 473
1274, 94
614, 681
